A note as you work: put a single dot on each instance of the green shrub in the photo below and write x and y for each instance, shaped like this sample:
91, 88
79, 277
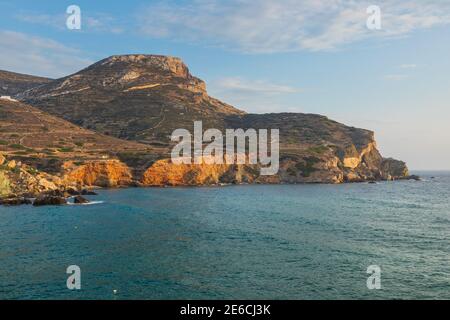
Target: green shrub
292, 172
48, 151
318, 149
22, 153
307, 167
17, 146
15, 170
32, 171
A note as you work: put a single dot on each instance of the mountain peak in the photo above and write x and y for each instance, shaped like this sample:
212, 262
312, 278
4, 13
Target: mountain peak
127, 74
142, 97
131, 72
160, 63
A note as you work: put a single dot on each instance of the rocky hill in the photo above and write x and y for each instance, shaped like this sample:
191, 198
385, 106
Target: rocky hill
13, 83
135, 97
120, 112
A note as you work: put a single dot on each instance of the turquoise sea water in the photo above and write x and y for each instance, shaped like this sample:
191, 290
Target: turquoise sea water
237, 242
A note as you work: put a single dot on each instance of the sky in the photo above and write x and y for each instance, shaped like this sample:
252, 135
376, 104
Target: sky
269, 56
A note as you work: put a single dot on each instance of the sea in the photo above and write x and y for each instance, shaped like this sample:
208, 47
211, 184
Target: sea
235, 242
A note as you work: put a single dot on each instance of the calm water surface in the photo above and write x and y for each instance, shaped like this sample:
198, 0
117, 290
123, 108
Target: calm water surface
237, 242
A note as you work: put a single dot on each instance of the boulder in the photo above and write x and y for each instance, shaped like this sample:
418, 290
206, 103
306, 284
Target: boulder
353, 177
80, 200
414, 177
46, 185
48, 200
86, 192
392, 169
56, 193
72, 192
17, 201
11, 164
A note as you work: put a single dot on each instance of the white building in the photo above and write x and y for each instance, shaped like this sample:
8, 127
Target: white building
7, 98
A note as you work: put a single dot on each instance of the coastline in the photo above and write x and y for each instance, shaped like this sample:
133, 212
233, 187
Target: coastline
62, 197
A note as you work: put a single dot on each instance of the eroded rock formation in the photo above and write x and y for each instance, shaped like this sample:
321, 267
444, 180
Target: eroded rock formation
109, 173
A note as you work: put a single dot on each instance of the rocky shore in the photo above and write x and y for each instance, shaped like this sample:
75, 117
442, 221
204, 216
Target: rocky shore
22, 184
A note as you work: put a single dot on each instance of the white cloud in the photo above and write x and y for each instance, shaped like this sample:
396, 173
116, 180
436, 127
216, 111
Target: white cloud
267, 26
408, 66
28, 54
252, 86
54, 21
100, 22
252, 95
396, 77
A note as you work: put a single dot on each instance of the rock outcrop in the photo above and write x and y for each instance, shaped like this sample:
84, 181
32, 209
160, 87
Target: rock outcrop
19, 183
166, 173
14, 201
109, 173
394, 169
5, 188
47, 200
17, 178
80, 200
325, 168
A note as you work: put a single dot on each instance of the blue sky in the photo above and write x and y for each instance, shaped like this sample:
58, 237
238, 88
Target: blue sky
269, 56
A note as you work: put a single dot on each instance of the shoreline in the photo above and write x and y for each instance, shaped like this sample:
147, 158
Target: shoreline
61, 197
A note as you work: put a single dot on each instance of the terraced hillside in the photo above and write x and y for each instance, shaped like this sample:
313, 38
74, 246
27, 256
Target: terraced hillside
12, 83
32, 136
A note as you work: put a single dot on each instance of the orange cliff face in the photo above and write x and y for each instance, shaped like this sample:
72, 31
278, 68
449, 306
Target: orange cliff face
108, 173
164, 172
114, 173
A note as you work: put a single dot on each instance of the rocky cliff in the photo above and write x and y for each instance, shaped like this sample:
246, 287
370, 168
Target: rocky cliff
108, 174
165, 173
326, 167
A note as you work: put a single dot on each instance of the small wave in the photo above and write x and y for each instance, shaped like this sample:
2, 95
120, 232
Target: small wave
85, 204
442, 220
